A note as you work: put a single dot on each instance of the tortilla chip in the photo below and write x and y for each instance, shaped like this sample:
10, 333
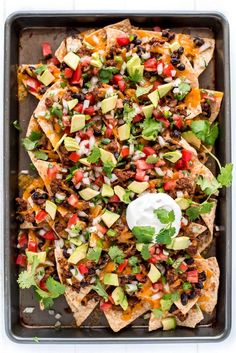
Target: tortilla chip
209, 294
203, 57
112, 34
194, 316
215, 106
116, 320
193, 103
209, 218
185, 308
188, 73
154, 323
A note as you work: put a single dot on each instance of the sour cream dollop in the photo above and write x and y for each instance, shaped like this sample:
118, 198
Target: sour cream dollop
140, 212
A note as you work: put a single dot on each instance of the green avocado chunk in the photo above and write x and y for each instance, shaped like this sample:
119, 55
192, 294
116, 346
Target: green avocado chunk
78, 254
173, 156
111, 279
154, 274
169, 323
179, 243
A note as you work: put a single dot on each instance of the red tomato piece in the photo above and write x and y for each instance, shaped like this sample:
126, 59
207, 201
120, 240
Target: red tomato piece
101, 229
52, 172
74, 157
32, 246
73, 200
155, 85
187, 155
75, 80
169, 185
40, 216
73, 220
90, 110
105, 306
42, 285
122, 266
79, 108
108, 132
114, 199
123, 40
150, 64
192, 276
167, 70
90, 97
139, 276
47, 50
140, 175
183, 267
178, 121
148, 151
158, 286
137, 118
53, 61
143, 165
78, 176
82, 268
125, 151
50, 235
21, 260
22, 240
117, 78
122, 85
68, 72
33, 84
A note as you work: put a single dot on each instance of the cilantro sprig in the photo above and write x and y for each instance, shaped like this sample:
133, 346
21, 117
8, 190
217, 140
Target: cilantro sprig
116, 254
151, 129
31, 142
196, 210
206, 132
95, 155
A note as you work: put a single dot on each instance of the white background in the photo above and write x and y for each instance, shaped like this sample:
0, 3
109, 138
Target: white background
225, 6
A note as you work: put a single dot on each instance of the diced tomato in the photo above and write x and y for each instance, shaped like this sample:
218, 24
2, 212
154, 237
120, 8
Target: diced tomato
42, 285
108, 132
85, 60
158, 286
90, 97
90, 110
68, 72
82, 268
122, 85
122, 266
40, 216
47, 50
137, 118
141, 164
114, 199
192, 276
187, 155
155, 85
74, 157
164, 121
52, 172
101, 229
160, 163
139, 276
125, 151
123, 40
75, 80
21, 260
140, 175
73, 220
78, 176
169, 185
105, 306
78, 108
180, 164
117, 78
33, 84
183, 267
157, 29
32, 246
53, 61
157, 257
99, 180
152, 250
178, 121
167, 70
50, 235
148, 151
73, 200
111, 299
150, 64
22, 240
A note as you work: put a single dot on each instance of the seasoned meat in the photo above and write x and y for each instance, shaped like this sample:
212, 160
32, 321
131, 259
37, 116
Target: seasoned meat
185, 184
48, 102
171, 276
112, 147
124, 175
55, 185
29, 217
21, 204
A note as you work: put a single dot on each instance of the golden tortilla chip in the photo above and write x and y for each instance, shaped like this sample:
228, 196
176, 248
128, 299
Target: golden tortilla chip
215, 106
203, 56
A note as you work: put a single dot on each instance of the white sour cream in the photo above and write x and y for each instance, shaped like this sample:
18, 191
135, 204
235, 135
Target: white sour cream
140, 211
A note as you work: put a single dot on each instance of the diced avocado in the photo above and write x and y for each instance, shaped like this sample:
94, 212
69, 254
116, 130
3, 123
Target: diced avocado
154, 97
96, 61
111, 279
147, 110
85, 161
138, 186
169, 323
88, 193
109, 218
154, 274
72, 103
183, 203
107, 190
164, 89
58, 144
41, 256
108, 104
77, 122
173, 156
51, 209
165, 304
174, 46
124, 132
191, 138
111, 233
139, 246
107, 156
119, 298
178, 262
119, 191
71, 144
179, 243
136, 70
72, 60
78, 254
76, 240
46, 78
134, 61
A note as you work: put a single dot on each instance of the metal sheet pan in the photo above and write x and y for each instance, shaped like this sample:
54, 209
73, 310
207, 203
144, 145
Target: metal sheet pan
23, 34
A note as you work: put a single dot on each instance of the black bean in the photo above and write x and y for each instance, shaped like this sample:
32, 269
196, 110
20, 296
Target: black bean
181, 67
202, 276
171, 36
165, 33
137, 41
65, 253
184, 299
198, 41
141, 49
174, 61
199, 285
84, 284
36, 195
180, 50
67, 274
176, 133
189, 261
192, 294
79, 96
173, 308
91, 271
132, 168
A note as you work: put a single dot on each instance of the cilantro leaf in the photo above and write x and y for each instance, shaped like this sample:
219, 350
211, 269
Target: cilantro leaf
208, 186
186, 286
94, 254
152, 159
165, 235
41, 155
98, 287
143, 234
175, 296
133, 260
47, 302
136, 75
126, 196
106, 73
195, 211
55, 288
95, 155
128, 113
184, 89
142, 90
158, 313
225, 176
31, 141
206, 132
108, 168
116, 254
26, 278
151, 128
164, 215
40, 69
145, 253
